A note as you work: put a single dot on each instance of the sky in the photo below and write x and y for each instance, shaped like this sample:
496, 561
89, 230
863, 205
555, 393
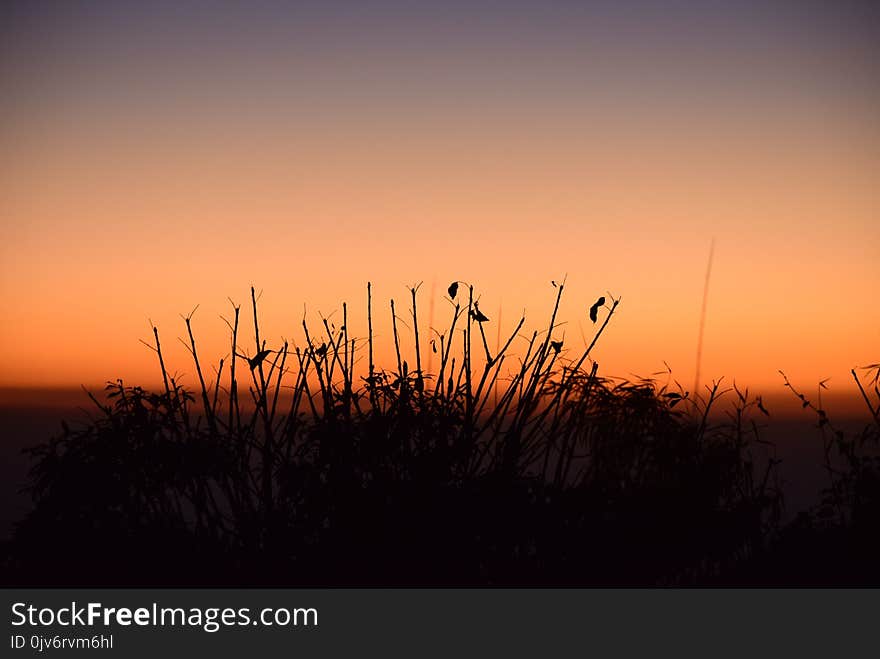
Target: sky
159, 156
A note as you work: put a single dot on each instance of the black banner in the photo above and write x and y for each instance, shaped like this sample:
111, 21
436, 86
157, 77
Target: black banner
409, 623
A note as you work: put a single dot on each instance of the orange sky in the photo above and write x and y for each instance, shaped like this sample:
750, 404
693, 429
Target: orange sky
137, 181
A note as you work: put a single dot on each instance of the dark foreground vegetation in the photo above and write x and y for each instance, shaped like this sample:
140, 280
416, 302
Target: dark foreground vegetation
301, 465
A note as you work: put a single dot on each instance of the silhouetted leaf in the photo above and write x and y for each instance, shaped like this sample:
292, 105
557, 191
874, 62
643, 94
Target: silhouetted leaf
594, 310
478, 315
453, 289
257, 359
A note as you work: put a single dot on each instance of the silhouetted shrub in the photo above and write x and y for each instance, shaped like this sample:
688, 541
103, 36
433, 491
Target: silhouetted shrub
545, 473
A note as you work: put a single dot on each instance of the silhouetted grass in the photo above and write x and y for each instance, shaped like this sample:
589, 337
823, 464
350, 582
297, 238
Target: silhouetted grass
837, 542
294, 467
